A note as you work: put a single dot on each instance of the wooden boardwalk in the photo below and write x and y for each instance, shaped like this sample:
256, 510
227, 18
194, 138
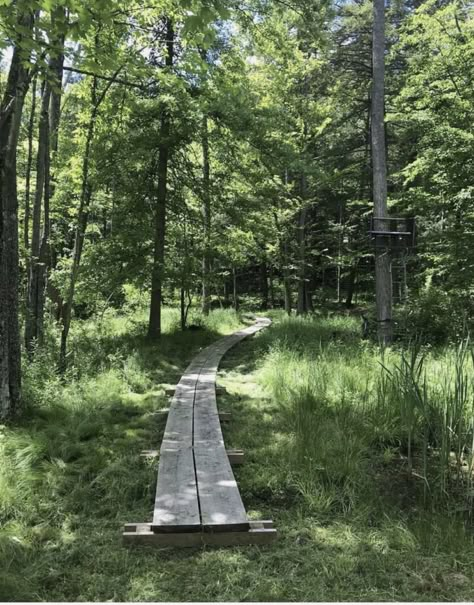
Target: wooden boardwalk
197, 498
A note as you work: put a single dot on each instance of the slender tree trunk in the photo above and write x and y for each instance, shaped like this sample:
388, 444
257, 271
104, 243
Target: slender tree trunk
11, 108
47, 142
309, 298
83, 214
29, 163
82, 220
264, 284
339, 257
57, 67
271, 287
206, 212
351, 282
301, 305
287, 279
383, 276
235, 291
154, 324
183, 309
226, 292
35, 281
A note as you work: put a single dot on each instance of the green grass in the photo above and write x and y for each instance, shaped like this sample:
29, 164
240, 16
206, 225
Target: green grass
322, 426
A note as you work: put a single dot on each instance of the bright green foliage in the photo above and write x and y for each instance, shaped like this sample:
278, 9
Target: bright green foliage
433, 111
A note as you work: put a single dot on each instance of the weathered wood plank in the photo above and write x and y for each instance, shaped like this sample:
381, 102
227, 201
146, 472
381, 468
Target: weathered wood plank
207, 426
219, 497
179, 426
176, 503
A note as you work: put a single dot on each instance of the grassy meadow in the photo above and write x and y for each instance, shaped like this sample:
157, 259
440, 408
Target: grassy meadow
363, 460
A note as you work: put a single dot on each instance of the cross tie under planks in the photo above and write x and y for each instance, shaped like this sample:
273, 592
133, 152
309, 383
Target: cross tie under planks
197, 498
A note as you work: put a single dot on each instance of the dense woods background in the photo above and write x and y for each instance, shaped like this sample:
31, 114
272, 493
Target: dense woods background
162, 161
223, 150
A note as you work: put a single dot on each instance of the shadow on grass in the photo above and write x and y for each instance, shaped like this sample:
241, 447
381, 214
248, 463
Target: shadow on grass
75, 476
71, 469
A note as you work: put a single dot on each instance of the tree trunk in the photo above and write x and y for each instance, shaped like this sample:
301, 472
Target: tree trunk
29, 163
383, 276
309, 298
206, 213
226, 292
57, 67
47, 141
301, 305
271, 287
351, 282
339, 257
287, 279
183, 309
235, 292
35, 300
82, 220
264, 284
154, 324
11, 109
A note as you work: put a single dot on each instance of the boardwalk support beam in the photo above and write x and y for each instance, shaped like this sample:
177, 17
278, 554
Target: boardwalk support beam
141, 534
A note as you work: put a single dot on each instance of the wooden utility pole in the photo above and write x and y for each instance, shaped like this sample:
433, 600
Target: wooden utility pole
383, 271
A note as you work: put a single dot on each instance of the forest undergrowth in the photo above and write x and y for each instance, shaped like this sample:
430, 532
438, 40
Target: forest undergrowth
362, 459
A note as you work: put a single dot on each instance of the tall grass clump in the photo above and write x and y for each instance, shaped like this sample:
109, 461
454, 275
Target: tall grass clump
357, 412
322, 390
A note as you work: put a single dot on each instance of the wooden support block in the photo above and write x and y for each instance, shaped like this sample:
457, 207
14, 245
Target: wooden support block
149, 453
170, 391
141, 534
235, 456
223, 416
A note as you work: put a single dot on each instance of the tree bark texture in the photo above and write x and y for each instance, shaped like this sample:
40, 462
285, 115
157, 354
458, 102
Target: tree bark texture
35, 298
206, 214
154, 324
301, 239
82, 220
383, 276
235, 289
11, 109
29, 163
47, 142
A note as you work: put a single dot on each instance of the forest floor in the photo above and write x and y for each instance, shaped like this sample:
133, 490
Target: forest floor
72, 475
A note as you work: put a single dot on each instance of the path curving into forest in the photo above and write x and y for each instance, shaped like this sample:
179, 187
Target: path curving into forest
197, 497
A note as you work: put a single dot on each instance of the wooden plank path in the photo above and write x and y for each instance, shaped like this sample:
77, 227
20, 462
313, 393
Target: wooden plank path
197, 498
